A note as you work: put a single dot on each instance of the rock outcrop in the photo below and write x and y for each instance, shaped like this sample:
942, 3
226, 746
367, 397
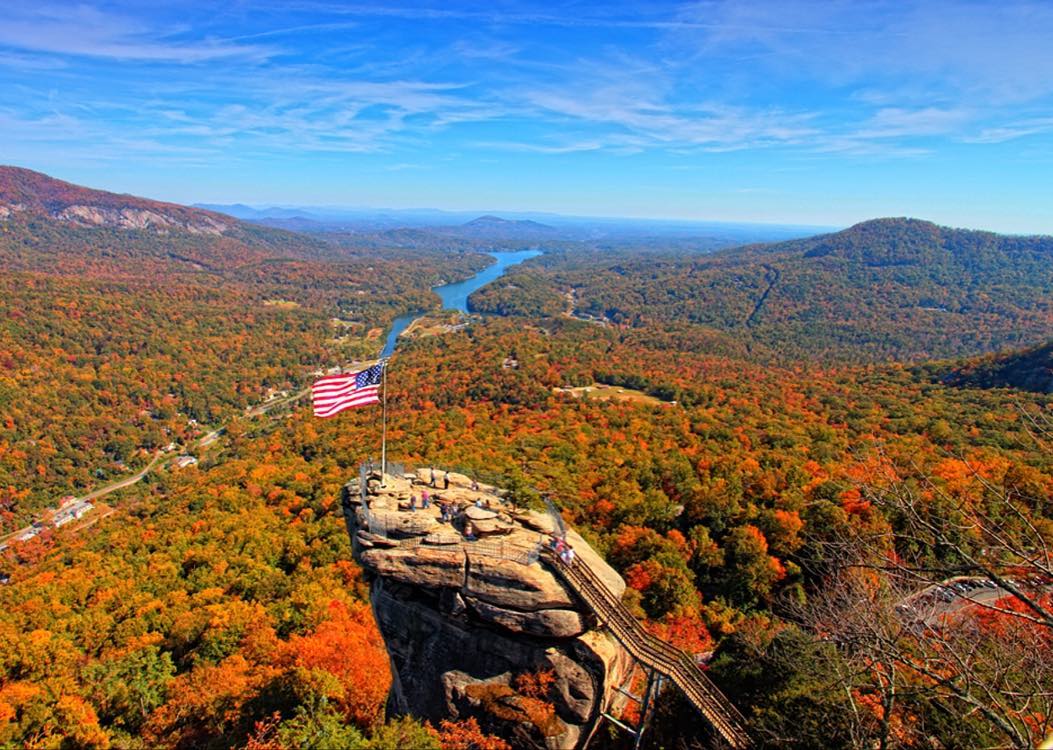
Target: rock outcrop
23, 191
470, 624
140, 218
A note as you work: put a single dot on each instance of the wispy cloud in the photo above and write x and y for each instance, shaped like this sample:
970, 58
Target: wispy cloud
962, 47
1013, 130
401, 87
82, 30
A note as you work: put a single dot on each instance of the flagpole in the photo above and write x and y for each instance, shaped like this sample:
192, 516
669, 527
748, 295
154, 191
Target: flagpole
384, 427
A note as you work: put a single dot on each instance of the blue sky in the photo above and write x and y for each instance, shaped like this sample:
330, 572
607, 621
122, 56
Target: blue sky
797, 112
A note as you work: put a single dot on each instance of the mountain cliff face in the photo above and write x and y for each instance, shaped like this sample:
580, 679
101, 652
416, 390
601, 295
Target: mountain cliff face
48, 224
470, 625
29, 193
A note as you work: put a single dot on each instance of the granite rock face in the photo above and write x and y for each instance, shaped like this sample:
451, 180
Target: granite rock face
469, 624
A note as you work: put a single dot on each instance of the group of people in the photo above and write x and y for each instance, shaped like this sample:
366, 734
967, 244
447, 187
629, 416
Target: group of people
447, 510
425, 500
435, 479
564, 550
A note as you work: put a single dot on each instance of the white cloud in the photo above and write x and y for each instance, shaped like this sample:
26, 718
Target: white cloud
1013, 130
85, 31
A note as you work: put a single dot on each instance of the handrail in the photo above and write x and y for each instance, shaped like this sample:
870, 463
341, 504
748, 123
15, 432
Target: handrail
654, 652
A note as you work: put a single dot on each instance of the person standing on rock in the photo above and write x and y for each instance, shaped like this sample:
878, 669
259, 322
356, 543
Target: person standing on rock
433, 476
412, 502
446, 481
425, 499
469, 531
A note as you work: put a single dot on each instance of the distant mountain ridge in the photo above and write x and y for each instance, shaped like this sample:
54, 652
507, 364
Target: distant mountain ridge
905, 241
496, 222
685, 234
23, 191
490, 227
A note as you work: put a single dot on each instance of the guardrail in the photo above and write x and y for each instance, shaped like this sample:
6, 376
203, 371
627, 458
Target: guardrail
654, 652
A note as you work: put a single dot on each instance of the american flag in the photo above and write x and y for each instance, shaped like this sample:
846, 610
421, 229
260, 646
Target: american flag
334, 393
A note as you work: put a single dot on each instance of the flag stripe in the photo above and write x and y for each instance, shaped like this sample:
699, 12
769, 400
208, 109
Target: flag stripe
340, 376
359, 400
333, 390
336, 410
335, 382
321, 402
345, 396
364, 398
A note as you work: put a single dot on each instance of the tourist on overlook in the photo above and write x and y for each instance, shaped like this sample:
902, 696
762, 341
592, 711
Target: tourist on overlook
446, 481
469, 531
433, 477
412, 502
425, 499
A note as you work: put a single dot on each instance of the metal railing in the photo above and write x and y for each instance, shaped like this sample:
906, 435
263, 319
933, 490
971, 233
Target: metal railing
654, 652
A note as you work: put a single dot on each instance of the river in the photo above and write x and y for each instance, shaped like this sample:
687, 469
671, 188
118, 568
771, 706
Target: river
455, 296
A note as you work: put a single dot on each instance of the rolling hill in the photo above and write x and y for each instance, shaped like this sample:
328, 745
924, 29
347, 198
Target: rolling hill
1028, 370
888, 289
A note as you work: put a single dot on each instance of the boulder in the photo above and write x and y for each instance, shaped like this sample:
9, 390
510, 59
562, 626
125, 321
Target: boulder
405, 523
509, 584
479, 514
553, 623
428, 567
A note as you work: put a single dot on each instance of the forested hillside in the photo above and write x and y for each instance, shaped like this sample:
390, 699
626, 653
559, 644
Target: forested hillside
1029, 370
115, 342
791, 523
720, 512
897, 289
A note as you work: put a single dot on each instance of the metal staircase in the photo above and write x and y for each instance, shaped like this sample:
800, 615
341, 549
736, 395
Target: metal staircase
654, 653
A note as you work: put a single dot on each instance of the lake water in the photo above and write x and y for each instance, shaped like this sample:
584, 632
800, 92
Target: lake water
455, 296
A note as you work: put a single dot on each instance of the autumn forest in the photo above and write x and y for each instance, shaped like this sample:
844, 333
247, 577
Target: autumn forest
815, 435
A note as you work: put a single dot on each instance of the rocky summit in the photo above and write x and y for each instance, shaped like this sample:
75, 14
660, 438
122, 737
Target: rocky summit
471, 614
